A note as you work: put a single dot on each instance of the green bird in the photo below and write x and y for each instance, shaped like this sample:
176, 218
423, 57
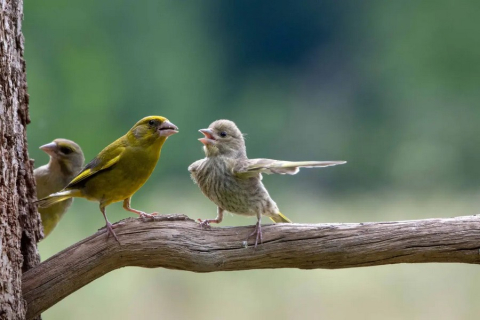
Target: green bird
120, 169
66, 161
233, 182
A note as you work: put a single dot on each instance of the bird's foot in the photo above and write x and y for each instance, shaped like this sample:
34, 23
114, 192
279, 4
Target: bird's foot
145, 215
257, 233
110, 231
205, 224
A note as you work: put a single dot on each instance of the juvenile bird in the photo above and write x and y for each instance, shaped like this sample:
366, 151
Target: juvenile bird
66, 161
120, 169
233, 182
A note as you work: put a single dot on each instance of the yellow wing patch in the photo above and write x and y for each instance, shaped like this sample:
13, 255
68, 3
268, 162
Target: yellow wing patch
87, 172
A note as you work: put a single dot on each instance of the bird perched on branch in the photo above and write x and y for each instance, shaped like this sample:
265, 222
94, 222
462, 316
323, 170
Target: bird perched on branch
120, 169
66, 161
233, 182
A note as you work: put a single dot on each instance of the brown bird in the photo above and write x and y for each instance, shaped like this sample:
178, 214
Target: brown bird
66, 161
233, 182
120, 169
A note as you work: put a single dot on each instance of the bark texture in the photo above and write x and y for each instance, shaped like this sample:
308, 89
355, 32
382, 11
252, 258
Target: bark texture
20, 224
177, 242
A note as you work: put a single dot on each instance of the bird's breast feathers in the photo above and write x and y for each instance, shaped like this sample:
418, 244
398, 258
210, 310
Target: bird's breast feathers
242, 196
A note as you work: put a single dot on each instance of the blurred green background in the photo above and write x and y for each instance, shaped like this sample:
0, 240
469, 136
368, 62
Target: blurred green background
392, 87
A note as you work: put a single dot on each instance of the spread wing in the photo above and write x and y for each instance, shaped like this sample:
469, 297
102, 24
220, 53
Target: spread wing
106, 159
252, 167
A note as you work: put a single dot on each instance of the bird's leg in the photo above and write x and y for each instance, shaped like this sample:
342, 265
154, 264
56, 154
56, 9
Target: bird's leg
257, 232
218, 219
108, 224
126, 206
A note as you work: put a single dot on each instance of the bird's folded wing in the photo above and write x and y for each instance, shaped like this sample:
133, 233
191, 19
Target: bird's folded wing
99, 163
252, 167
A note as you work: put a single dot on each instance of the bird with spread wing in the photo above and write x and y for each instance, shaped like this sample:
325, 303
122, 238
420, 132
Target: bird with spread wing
233, 182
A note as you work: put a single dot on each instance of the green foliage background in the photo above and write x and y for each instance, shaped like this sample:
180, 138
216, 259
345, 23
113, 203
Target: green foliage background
392, 87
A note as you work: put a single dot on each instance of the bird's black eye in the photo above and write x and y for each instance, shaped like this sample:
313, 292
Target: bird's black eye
65, 150
223, 134
151, 122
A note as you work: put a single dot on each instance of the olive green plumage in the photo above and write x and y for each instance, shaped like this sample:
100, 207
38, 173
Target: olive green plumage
120, 169
66, 161
233, 182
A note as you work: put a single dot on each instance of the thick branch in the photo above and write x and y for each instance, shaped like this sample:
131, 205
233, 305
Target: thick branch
176, 242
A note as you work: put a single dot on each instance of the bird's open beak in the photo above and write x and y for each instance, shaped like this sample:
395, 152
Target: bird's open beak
209, 138
49, 148
167, 128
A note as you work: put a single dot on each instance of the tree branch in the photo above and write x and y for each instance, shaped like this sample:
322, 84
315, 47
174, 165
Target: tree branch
177, 242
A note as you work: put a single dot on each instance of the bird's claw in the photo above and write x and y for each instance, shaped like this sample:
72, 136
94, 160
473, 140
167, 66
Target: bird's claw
110, 231
204, 223
257, 233
144, 215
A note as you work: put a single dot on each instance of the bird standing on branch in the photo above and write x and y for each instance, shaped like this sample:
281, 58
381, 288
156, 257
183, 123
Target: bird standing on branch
120, 169
233, 182
66, 161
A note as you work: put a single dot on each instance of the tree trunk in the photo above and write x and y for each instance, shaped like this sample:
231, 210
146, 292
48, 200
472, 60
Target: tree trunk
20, 223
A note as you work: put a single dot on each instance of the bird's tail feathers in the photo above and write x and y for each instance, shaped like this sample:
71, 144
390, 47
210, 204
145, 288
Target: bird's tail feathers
280, 218
56, 197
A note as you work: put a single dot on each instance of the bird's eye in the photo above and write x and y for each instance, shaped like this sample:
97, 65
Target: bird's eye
151, 122
223, 134
65, 150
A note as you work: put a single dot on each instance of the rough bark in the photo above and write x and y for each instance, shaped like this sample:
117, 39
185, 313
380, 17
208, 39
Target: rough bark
176, 242
20, 225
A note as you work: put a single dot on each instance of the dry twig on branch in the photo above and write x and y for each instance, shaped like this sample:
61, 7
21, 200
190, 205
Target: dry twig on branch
177, 242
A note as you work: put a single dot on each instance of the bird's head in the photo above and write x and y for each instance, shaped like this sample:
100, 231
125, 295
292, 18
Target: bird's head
150, 129
223, 138
66, 152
